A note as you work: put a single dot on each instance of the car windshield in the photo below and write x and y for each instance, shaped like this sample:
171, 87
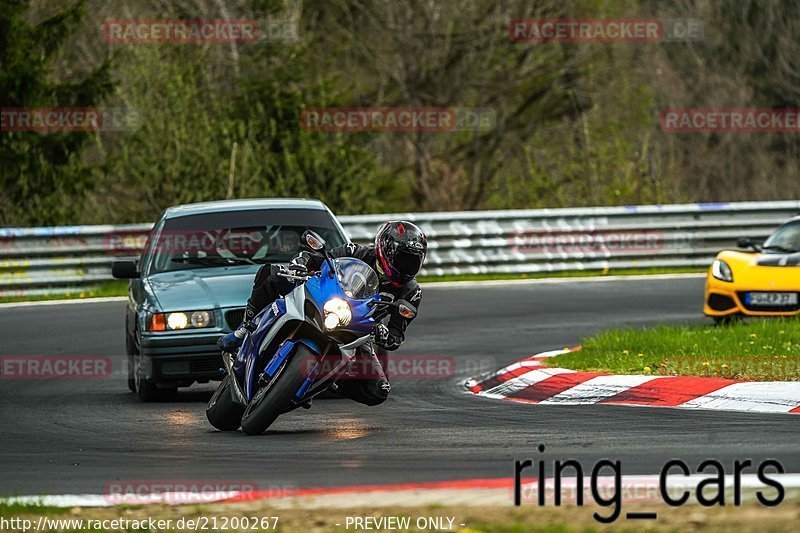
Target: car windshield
357, 279
237, 238
785, 239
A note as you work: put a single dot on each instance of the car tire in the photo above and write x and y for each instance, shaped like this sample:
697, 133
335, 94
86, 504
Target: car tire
129, 351
146, 390
727, 320
271, 400
222, 411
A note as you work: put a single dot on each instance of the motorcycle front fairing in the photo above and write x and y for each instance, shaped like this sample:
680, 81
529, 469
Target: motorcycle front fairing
299, 317
265, 319
356, 283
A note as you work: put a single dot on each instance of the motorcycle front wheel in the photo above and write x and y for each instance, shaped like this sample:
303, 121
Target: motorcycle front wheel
222, 412
273, 399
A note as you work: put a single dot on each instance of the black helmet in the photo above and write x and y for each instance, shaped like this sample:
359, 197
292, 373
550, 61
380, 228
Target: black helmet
400, 249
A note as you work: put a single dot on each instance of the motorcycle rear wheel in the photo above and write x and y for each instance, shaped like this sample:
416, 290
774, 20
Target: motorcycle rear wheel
270, 401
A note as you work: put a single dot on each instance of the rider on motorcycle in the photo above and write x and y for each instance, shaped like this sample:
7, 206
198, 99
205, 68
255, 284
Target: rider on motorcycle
397, 256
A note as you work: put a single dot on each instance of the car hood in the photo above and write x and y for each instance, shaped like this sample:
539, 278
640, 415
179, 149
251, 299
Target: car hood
203, 288
764, 271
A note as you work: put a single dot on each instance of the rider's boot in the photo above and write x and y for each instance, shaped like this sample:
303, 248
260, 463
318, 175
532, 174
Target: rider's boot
232, 341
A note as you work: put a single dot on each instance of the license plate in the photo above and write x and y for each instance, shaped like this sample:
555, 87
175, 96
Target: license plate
772, 299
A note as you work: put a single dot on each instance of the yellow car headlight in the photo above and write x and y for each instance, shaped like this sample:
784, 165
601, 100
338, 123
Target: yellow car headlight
722, 271
337, 313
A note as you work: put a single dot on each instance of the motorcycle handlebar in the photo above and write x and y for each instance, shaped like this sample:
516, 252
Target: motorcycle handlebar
292, 277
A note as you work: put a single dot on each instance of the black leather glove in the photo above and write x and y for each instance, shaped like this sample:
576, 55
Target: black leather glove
380, 334
384, 338
297, 266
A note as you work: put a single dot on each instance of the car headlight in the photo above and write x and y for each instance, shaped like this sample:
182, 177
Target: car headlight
721, 270
179, 320
337, 313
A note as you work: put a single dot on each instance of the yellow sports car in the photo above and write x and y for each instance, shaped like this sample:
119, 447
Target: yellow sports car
764, 281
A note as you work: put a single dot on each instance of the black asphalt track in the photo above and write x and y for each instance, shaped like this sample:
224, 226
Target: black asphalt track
75, 436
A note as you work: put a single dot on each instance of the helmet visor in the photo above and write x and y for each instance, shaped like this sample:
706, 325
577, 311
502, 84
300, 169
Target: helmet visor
407, 263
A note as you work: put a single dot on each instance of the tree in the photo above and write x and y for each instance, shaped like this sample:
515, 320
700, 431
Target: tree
43, 176
450, 54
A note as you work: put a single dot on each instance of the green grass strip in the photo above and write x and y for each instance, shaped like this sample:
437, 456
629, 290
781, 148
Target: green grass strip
750, 350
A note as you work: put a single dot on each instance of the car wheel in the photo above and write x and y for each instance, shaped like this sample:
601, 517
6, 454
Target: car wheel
129, 351
146, 390
727, 320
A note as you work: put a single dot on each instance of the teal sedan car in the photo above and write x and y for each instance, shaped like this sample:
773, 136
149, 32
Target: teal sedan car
192, 281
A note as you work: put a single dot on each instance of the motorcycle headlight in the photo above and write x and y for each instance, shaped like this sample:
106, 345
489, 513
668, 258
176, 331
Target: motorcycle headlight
337, 313
721, 270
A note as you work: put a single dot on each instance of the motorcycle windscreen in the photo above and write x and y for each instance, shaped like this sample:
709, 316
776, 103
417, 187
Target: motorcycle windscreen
357, 279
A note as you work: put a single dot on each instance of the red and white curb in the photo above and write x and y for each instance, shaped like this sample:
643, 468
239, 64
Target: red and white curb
466, 492
531, 381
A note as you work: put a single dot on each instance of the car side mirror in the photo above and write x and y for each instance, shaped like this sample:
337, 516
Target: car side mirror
313, 240
747, 242
125, 269
406, 309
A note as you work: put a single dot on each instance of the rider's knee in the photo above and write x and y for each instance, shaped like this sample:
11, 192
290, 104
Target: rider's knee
372, 401
365, 392
377, 392
265, 288
263, 275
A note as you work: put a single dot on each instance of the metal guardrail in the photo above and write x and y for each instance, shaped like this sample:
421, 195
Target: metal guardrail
38, 260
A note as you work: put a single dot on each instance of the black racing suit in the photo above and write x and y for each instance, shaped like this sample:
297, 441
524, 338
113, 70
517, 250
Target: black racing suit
372, 389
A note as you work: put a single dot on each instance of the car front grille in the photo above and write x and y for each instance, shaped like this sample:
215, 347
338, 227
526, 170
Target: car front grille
201, 365
234, 317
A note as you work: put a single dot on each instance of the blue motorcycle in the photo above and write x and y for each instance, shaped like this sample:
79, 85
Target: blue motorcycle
301, 344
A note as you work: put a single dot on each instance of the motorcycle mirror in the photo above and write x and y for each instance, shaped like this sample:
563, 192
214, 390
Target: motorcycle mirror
314, 241
406, 309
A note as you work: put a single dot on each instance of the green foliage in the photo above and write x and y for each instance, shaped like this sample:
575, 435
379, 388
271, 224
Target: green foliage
208, 130
575, 123
43, 176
